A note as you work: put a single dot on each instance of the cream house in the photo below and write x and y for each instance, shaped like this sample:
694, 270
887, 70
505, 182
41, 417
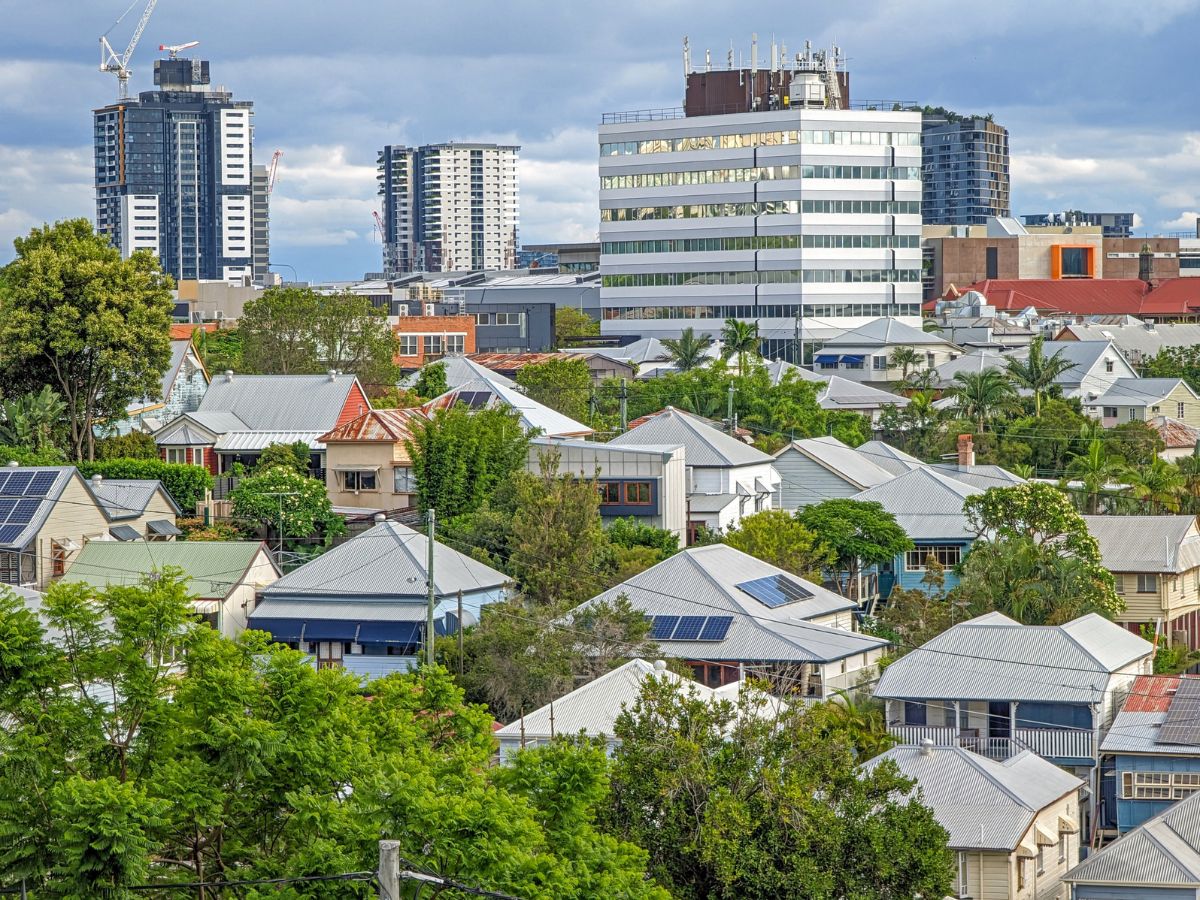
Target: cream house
366, 461
1142, 399
1155, 561
1014, 826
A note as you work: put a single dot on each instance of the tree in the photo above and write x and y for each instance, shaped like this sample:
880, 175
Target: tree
905, 359
1136, 442
858, 533
281, 496
981, 396
431, 381
135, 445
689, 350
1048, 443
91, 325
778, 538
1038, 372
1097, 470
739, 339
242, 761
219, 350
32, 419
570, 322
733, 802
1159, 485
295, 457
561, 384
1189, 470
632, 532
914, 616
353, 336
459, 457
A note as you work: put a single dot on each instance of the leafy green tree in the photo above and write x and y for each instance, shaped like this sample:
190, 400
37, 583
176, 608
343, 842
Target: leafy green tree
570, 322
859, 719
1175, 362
1097, 470
982, 396
459, 457
740, 339
281, 496
563, 384
689, 350
1159, 485
186, 484
277, 332
1189, 470
295, 456
220, 350
779, 538
80, 319
858, 533
914, 616
1048, 443
32, 419
1038, 372
431, 381
1136, 442
733, 802
905, 359
630, 532
352, 335
51, 456
135, 445
914, 428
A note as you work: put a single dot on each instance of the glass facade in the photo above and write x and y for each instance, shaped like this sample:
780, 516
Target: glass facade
965, 171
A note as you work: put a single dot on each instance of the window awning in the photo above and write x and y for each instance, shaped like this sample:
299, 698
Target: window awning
853, 358
163, 527
125, 533
206, 607
761, 487
827, 358
1045, 837
356, 468
1067, 825
345, 630
1026, 851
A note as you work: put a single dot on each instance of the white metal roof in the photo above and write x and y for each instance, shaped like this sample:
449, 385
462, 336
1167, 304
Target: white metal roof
1163, 851
840, 459
926, 503
1168, 544
704, 445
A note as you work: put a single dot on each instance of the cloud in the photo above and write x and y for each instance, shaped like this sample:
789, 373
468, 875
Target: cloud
1186, 221
40, 184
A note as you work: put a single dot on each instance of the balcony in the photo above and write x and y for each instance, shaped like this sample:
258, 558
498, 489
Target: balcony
1052, 743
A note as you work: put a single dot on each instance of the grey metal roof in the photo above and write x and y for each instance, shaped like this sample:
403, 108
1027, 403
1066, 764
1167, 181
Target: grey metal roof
1162, 851
839, 458
534, 415
648, 349
179, 350
980, 476
886, 332
277, 402
460, 370
995, 658
1140, 392
974, 362
704, 445
842, 393
888, 457
982, 803
927, 504
127, 498
1169, 544
1137, 732
702, 581
1135, 337
260, 440
1084, 354
388, 561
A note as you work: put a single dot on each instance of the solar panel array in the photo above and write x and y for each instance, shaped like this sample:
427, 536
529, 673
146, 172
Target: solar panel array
689, 628
474, 399
776, 590
21, 493
1182, 724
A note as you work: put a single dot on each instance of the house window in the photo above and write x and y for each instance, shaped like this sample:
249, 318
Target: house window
1132, 414
1062, 846
915, 713
408, 345
1108, 365
1159, 785
359, 481
1179, 410
637, 493
431, 343
1119, 582
1021, 873
947, 556
508, 318
456, 343
58, 559
1110, 412
1041, 859
1147, 584
177, 455
403, 481
879, 363
610, 491
10, 568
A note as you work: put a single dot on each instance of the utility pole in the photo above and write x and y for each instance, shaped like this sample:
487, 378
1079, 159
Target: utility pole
732, 427
460, 635
431, 598
624, 408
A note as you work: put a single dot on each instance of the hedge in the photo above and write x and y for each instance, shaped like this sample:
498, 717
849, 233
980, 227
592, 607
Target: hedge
185, 484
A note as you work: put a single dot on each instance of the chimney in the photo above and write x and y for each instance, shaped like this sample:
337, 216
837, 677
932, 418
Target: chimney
966, 452
926, 747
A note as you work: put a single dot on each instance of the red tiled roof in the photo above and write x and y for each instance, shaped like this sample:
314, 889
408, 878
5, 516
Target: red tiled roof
1152, 693
184, 331
390, 425
1093, 297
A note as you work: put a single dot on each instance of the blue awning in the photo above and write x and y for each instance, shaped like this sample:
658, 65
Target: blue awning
827, 358
853, 358
390, 633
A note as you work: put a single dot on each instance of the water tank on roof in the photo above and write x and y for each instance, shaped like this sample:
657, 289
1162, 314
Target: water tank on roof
807, 90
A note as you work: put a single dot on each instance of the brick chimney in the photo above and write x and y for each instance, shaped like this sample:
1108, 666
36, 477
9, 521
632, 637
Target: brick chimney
966, 452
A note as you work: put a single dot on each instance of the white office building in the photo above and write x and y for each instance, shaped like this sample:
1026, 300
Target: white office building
803, 218
448, 207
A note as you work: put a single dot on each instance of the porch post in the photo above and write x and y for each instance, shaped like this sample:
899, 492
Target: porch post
1012, 720
958, 719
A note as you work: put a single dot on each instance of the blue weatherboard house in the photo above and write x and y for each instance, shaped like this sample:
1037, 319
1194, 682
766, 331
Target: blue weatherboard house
1152, 751
928, 505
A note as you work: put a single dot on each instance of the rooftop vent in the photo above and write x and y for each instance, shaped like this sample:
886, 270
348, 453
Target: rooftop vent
927, 747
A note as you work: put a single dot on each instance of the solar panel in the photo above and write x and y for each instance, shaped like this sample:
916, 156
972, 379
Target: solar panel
775, 590
42, 482
24, 512
1182, 724
662, 627
18, 483
689, 628
716, 628
474, 399
4, 476
9, 533
7, 505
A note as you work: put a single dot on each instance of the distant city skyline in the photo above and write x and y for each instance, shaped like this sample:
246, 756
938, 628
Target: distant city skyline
1090, 92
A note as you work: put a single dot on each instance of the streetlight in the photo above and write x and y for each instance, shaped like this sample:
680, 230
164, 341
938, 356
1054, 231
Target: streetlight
295, 277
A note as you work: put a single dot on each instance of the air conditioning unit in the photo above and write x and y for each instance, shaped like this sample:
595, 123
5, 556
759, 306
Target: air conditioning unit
431, 309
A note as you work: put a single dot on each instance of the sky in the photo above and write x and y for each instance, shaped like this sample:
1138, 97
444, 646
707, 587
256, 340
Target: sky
1097, 96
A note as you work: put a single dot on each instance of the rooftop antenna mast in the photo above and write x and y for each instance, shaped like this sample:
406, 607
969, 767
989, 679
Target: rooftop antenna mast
687, 57
119, 65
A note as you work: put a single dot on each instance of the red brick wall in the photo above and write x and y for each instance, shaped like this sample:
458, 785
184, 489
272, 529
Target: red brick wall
464, 325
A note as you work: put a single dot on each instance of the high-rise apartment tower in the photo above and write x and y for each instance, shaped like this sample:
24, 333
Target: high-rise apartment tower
964, 162
448, 207
174, 174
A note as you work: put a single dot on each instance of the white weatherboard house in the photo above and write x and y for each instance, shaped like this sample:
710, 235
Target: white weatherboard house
729, 479
865, 353
823, 468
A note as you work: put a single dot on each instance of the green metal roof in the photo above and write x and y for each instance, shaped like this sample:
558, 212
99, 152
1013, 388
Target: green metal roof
214, 567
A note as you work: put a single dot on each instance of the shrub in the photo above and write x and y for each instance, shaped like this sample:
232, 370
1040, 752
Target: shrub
185, 484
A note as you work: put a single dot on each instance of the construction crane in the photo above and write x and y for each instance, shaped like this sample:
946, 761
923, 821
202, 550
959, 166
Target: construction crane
273, 170
119, 65
379, 225
175, 49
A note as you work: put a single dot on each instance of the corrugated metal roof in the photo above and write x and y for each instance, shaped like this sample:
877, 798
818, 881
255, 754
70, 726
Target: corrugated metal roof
998, 659
1176, 435
886, 332
388, 425
839, 458
888, 457
411, 609
127, 498
387, 561
278, 402
842, 393
704, 445
459, 370
1137, 726
533, 414
927, 504
1086, 297
1139, 392
1146, 543
1134, 337
980, 476
702, 581
214, 568
1164, 850
982, 803
236, 441
710, 503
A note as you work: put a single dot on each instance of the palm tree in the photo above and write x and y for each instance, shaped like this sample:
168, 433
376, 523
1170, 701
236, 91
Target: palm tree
982, 395
1038, 372
689, 350
1096, 469
905, 358
740, 339
1189, 468
1160, 485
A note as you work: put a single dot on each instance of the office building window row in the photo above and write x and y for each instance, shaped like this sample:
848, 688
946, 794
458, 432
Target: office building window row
757, 173
761, 311
761, 139
768, 242
700, 211
856, 207
772, 276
